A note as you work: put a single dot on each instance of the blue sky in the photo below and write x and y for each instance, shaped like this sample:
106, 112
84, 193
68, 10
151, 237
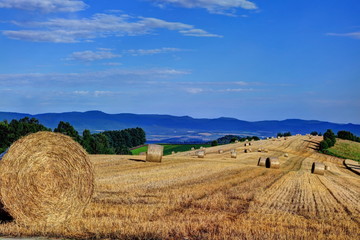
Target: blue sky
248, 59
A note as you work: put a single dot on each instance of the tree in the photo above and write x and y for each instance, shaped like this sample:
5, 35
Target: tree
323, 145
314, 133
330, 138
67, 129
214, 143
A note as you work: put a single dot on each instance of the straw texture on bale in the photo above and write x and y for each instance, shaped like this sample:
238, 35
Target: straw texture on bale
272, 162
262, 161
233, 155
154, 153
45, 178
318, 168
286, 155
221, 151
200, 154
327, 167
246, 151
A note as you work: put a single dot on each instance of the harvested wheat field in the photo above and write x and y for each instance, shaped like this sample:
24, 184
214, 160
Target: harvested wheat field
217, 197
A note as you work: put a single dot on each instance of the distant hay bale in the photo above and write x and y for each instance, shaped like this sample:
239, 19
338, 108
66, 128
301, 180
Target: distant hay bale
250, 144
327, 167
200, 154
154, 153
201, 148
233, 154
246, 140
246, 150
236, 141
232, 150
266, 150
259, 150
262, 161
45, 178
245, 145
318, 168
192, 149
286, 155
173, 152
285, 138
221, 151
272, 162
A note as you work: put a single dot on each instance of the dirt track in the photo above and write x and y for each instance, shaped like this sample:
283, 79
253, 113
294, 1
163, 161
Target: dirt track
218, 197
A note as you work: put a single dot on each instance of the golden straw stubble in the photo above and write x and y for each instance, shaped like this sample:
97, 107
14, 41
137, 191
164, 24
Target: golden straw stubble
45, 178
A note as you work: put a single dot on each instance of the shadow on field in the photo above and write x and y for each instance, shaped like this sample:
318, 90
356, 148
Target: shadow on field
314, 145
5, 217
136, 160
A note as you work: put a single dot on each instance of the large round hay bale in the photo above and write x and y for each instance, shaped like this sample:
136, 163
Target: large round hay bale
233, 154
154, 153
318, 168
45, 178
272, 162
221, 151
262, 161
200, 154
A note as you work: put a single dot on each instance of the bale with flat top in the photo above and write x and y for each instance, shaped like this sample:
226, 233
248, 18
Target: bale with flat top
318, 168
272, 162
200, 154
154, 153
233, 155
45, 178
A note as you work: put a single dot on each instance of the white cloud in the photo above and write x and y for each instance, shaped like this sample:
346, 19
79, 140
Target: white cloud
110, 77
226, 7
194, 90
45, 5
142, 52
355, 35
112, 64
198, 33
88, 56
98, 26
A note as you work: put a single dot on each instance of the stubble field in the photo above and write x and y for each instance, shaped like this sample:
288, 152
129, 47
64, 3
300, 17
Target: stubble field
217, 197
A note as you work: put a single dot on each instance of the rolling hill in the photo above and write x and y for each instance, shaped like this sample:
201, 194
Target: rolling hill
167, 128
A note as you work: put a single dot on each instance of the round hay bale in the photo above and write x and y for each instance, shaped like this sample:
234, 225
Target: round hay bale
250, 150
154, 153
286, 155
245, 144
200, 154
266, 150
236, 141
285, 138
259, 150
272, 162
233, 154
327, 167
250, 143
318, 168
221, 151
246, 151
232, 150
192, 149
173, 152
45, 178
262, 161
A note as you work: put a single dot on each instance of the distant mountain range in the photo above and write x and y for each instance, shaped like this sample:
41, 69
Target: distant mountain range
167, 128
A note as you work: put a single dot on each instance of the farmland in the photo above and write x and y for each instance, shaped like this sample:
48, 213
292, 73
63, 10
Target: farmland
217, 197
345, 149
169, 148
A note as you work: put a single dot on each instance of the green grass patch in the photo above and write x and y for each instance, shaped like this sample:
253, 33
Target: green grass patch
169, 148
345, 149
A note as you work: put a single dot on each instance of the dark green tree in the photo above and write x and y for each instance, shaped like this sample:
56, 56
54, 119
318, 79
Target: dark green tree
214, 143
67, 129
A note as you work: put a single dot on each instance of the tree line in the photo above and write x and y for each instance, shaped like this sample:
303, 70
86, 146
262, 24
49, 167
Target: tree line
232, 138
108, 142
330, 138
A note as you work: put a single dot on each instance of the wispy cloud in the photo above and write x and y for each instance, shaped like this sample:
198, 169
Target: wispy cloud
142, 52
110, 77
226, 90
226, 7
89, 56
355, 35
45, 5
198, 33
61, 30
